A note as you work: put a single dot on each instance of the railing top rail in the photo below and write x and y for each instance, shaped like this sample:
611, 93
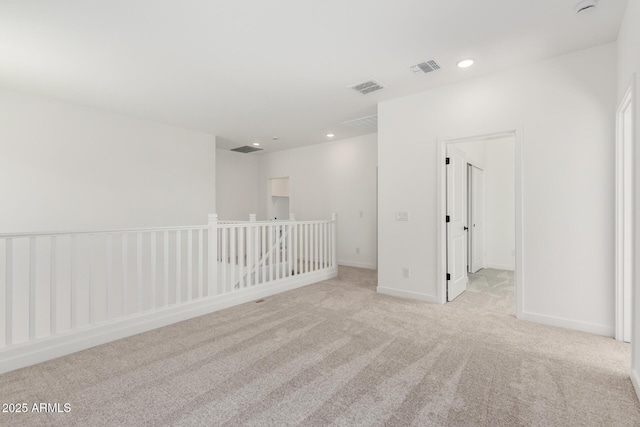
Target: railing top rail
244, 224
220, 224
108, 231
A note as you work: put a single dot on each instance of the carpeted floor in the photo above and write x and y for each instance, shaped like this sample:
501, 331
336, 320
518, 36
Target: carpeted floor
338, 353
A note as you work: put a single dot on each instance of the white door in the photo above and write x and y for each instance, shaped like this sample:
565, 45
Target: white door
456, 227
476, 221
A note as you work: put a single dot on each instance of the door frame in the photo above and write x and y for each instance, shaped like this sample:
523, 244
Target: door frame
441, 206
625, 187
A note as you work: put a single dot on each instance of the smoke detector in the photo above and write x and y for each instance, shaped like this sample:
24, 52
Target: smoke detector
583, 5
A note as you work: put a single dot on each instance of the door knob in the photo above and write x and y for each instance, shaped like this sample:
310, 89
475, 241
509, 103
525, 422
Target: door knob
466, 228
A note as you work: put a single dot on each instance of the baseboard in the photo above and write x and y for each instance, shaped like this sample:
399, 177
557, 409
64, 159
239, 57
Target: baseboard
591, 328
22, 355
408, 295
635, 380
500, 266
358, 264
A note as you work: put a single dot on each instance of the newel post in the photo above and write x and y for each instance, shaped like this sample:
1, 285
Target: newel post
334, 240
252, 217
212, 259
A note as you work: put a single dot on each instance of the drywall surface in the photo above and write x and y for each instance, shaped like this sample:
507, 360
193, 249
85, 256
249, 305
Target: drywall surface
236, 185
628, 70
563, 108
338, 177
67, 167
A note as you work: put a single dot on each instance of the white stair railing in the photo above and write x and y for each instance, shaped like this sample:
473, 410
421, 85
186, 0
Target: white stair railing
61, 290
255, 253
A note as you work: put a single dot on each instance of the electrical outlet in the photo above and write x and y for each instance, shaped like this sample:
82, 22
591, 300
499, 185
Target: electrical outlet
405, 272
357, 250
361, 214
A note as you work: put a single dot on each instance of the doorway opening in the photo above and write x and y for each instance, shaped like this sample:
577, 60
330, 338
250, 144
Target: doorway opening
480, 205
625, 134
279, 200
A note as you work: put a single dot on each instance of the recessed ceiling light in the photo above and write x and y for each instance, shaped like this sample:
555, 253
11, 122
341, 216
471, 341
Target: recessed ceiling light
256, 144
275, 138
330, 135
465, 63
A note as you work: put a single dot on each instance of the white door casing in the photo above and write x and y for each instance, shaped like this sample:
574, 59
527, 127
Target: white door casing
624, 215
476, 222
456, 233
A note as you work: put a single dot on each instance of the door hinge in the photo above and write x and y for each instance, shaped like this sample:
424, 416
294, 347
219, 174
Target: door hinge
448, 276
446, 161
448, 219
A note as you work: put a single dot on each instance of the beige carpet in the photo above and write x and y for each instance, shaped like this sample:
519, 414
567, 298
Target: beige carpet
337, 353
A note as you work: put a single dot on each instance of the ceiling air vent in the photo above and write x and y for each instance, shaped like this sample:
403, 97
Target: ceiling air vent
246, 149
366, 123
367, 87
425, 67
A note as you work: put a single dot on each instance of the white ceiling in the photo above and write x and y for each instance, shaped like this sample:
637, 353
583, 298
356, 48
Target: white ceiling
247, 70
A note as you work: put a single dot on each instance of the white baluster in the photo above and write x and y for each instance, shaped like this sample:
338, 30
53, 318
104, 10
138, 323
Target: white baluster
32, 288
108, 266
241, 257
154, 272
125, 272
189, 265
334, 232
200, 263
213, 240
165, 252
9, 292
139, 271
53, 276
225, 260
178, 267
232, 261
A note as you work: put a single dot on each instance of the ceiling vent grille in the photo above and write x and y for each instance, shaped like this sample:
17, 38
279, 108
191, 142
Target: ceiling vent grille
426, 67
365, 123
367, 87
246, 149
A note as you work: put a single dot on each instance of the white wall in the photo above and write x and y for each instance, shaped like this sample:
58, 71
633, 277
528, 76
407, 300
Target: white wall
65, 167
236, 185
338, 177
628, 65
565, 108
500, 213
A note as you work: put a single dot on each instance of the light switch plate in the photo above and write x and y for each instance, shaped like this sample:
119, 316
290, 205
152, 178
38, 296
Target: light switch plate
402, 216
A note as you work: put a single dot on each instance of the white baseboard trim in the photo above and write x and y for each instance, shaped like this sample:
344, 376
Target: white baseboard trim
408, 295
635, 380
22, 355
357, 264
500, 266
591, 328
